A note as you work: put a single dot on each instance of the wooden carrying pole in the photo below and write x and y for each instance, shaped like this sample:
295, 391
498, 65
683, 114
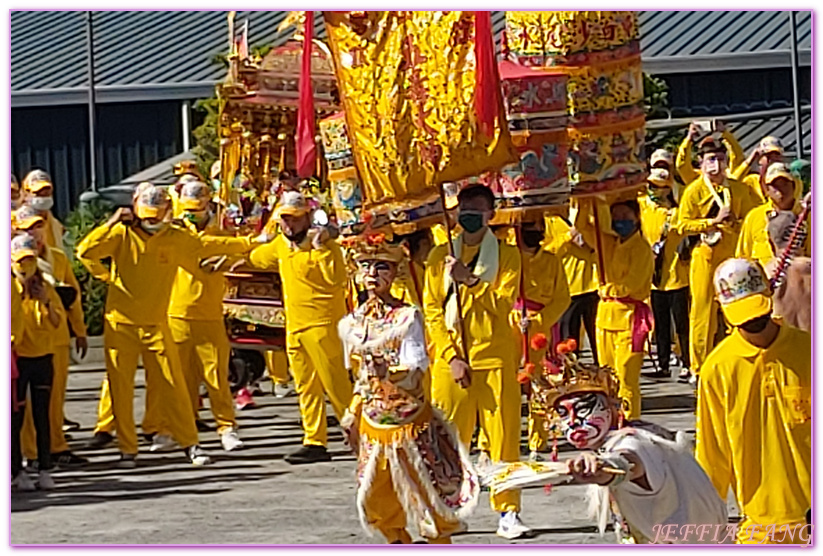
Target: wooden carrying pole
464, 347
601, 270
518, 230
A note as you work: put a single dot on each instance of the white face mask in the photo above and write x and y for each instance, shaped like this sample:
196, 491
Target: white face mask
152, 228
41, 203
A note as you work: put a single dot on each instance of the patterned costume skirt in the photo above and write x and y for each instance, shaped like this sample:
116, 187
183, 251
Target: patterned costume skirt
431, 475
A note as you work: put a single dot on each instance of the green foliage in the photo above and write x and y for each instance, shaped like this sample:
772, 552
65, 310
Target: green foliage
78, 223
656, 103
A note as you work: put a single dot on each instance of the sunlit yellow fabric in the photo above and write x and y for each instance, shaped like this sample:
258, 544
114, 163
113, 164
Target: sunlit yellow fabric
54, 231
198, 294
144, 266
697, 201
629, 266
579, 263
63, 273
754, 419
545, 282
16, 306
439, 234
753, 181
314, 280
653, 217
754, 242
408, 287
688, 173
407, 83
486, 309
38, 337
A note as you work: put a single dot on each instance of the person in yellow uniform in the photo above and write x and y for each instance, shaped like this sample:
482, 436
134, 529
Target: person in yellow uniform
579, 262
42, 313
409, 283
769, 151
670, 281
56, 270
664, 160
754, 241
39, 194
712, 207
477, 380
313, 274
16, 194
683, 163
196, 321
546, 298
145, 245
754, 411
623, 318
185, 171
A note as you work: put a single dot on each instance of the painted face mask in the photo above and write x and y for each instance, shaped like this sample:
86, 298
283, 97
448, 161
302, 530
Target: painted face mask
41, 203
26, 268
585, 419
713, 165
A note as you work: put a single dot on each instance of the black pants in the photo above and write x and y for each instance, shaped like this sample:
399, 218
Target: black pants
665, 306
582, 308
36, 373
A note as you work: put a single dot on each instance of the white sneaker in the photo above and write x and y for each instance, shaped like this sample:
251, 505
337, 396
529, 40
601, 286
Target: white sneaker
283, 390
231, 441
23, 482
197, 456
536, 456
510, 527
44, 481
162, 443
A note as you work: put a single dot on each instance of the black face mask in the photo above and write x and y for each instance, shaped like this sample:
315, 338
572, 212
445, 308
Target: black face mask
297, 237
756, 326
532, 238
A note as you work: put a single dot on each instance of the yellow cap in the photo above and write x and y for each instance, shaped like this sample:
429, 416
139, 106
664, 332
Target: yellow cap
25, 217
778, 170
194, 196
660, 177
150, 201
742, 290
770, 145
292, 203
23, 246
662, 155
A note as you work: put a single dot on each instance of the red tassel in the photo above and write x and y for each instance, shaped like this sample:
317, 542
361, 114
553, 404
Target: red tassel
304, 138
487, 82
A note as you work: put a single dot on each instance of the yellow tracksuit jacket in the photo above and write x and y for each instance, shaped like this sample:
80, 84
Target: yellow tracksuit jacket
754, 243
683, 161
63, 275
16, 308
37, 336
494, 394
653, 218
199, 334
628, 269
579, 263
754, 419
143, 271
314, 289
693, 218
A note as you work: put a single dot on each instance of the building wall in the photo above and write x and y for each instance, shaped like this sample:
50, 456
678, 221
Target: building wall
130, 137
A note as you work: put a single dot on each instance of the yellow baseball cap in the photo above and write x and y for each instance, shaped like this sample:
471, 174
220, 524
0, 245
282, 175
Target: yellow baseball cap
25, 217
661, 155
742, 290
770, 145
150, 201
36, 180
23, 246
292, 203
195, 195
660, 177
778, 170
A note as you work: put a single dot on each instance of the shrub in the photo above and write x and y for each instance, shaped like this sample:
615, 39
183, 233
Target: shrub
78, 223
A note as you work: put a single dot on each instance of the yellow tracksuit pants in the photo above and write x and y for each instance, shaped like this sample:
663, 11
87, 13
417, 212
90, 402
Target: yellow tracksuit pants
278, 366
704, 305
60, 382
538, 435
316, 362
614, 349
494, 398
386, 514
153, 422
124, 344
204, 350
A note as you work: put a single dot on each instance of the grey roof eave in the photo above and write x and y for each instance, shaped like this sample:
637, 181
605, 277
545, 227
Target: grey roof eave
147, 92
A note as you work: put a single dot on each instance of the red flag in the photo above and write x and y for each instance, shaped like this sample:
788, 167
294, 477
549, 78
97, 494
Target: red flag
304, 139
487, 82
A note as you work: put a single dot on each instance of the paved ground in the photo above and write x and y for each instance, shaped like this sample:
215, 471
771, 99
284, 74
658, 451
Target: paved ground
253, 496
